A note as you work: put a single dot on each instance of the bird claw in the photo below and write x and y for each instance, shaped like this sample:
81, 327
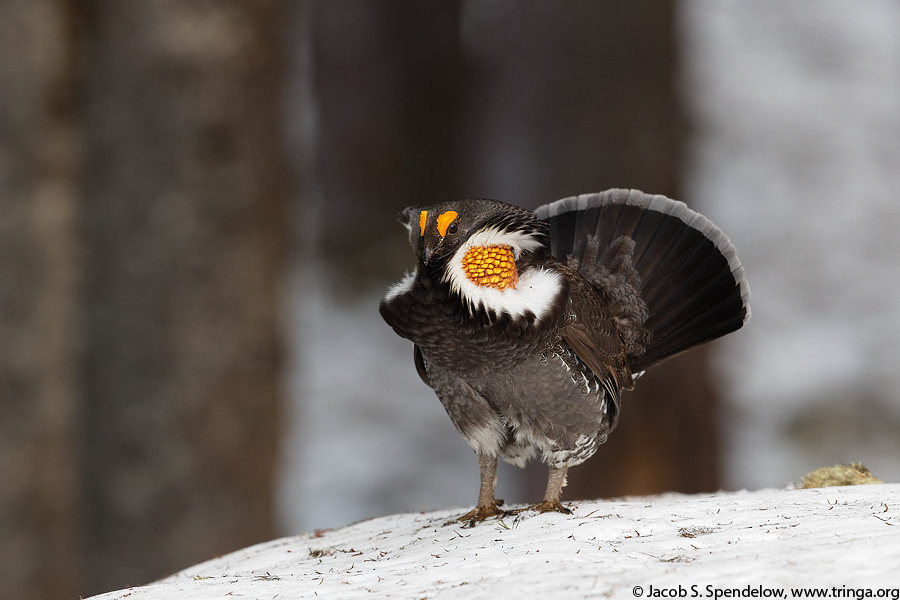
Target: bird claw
542, 507
550, 506
478, 514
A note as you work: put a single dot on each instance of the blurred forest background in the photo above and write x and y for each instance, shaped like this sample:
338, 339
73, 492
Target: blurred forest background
197, 204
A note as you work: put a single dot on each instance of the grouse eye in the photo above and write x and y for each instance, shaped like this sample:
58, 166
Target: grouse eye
453, 227
445, 221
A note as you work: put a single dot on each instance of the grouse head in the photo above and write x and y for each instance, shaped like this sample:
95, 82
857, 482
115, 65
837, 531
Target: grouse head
480, 240
483, 253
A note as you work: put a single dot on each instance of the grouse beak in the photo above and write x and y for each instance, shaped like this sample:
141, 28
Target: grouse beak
429, 245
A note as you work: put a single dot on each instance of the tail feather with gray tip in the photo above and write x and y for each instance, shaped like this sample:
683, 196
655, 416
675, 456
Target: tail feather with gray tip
673, 278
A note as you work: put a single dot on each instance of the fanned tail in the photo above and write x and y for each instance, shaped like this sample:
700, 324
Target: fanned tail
673, 277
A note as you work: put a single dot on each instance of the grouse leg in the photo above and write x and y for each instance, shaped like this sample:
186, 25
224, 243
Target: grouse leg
555, 483
488, 506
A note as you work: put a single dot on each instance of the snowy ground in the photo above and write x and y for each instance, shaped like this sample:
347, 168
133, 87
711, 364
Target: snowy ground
846, 537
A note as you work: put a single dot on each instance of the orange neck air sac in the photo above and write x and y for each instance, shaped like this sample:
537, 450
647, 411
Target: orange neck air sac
491, 266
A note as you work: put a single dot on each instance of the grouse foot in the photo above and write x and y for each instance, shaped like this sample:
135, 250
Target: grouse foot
488, 506
542, 507
479, 514
550, 506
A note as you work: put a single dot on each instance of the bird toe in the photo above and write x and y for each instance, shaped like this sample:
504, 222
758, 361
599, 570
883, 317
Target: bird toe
550, 506
478, 514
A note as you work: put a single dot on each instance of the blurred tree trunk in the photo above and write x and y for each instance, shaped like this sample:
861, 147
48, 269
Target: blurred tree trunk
628, 129
39, 260
142, 197
390, 78
184, 229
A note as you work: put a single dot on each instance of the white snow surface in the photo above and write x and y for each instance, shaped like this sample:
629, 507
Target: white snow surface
753, 542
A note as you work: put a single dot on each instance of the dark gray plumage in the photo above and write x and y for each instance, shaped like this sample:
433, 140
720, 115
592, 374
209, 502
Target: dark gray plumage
528, 326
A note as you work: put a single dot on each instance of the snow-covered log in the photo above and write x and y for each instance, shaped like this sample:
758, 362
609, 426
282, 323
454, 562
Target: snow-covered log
744, 544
